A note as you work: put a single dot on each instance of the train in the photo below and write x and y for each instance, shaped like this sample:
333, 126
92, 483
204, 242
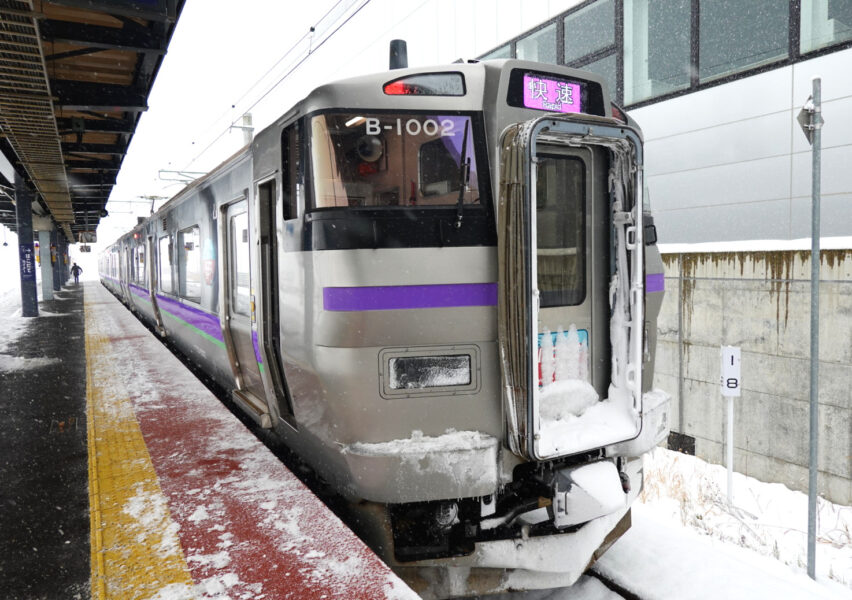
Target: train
439, 287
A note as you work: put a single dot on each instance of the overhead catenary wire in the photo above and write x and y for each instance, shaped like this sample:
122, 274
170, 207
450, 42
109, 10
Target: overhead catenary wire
311, 49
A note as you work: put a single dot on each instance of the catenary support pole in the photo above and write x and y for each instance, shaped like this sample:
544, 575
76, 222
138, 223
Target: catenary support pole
26, 248
816, 120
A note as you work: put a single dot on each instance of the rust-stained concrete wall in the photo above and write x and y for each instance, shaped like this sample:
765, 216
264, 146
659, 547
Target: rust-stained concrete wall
760, 301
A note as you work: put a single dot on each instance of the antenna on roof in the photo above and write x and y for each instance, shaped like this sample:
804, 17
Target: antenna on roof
398, 54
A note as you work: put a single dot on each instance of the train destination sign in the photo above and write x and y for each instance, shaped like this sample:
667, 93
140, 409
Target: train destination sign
554, 95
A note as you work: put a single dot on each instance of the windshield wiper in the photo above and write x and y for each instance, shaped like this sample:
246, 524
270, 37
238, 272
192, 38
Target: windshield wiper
464, 176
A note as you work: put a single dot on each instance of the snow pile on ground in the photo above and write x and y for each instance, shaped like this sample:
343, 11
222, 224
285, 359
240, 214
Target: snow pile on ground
18, 363
767, 518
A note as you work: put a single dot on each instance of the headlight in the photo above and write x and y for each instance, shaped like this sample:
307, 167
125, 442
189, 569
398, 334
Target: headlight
419, 372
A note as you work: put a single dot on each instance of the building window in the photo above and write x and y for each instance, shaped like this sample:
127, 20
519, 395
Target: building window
607, 68
539, 46
501, 52
189, 263
656, 48
824, 23
589, 30
739, 34
165, 264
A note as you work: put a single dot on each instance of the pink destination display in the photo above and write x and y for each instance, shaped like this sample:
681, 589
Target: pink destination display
554, 95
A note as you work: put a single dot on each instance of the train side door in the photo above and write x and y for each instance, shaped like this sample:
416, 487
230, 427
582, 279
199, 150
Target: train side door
154, 283
237, 301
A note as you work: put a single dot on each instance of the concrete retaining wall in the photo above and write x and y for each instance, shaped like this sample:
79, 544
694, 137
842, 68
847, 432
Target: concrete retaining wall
760, 301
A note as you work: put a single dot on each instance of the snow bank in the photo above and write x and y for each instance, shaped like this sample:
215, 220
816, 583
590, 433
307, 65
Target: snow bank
19, 363
768, 518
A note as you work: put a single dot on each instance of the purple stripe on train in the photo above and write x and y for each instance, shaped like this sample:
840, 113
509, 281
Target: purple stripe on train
655, 282
204, 321
139, 291
399, 297
256, 347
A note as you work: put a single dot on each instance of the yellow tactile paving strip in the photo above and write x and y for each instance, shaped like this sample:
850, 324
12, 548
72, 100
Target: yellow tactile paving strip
135, 550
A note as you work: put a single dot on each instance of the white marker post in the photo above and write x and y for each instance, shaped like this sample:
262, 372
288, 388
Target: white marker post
730, 383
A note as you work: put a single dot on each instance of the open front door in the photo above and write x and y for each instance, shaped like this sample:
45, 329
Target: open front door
269, 228
570, 286
238, 310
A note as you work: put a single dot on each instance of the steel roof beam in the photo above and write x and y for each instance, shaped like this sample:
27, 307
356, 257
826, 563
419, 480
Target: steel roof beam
75, 148
111, 38
73, 53
78, 95
165, 10
66, 125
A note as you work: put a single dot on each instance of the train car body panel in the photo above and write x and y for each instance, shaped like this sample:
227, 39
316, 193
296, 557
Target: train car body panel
378, 277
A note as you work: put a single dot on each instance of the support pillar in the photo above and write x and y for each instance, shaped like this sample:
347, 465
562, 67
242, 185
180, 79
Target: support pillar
66, 262
55, 257
46, 265
26, 249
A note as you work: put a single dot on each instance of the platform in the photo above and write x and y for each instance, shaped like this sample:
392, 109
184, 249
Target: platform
129, 479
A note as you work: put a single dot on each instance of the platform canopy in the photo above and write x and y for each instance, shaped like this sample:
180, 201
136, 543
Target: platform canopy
75, 76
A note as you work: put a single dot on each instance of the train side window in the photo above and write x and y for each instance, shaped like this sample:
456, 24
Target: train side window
241, 274
165, 264
189, 263
290, 169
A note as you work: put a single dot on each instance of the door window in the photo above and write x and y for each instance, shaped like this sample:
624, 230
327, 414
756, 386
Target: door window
165, 264
561, 230
240, 265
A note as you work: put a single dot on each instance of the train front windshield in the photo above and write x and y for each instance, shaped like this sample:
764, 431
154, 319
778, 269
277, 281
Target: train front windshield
393, 160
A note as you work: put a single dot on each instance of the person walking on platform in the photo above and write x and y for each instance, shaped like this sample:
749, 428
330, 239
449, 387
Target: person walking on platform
75, 271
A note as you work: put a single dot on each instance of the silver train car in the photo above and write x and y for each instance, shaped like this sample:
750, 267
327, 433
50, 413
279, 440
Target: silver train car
439, 287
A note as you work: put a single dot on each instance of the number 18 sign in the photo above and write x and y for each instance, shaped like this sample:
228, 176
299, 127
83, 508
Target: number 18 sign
730, 378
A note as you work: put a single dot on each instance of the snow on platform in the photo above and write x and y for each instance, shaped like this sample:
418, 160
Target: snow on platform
202, 509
